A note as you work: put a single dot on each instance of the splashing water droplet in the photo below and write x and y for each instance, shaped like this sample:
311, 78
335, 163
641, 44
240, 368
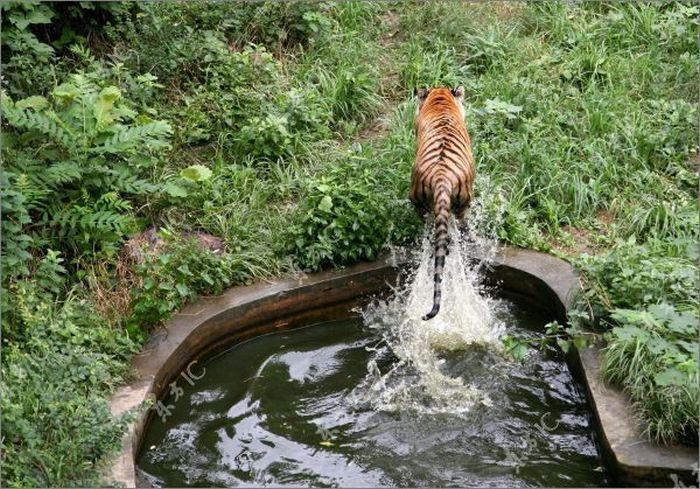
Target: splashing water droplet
416, 380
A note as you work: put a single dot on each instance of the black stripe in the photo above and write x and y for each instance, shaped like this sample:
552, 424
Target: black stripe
460, 157
454, 138
456, 176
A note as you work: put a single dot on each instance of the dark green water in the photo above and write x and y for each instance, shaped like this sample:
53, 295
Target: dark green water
274, 411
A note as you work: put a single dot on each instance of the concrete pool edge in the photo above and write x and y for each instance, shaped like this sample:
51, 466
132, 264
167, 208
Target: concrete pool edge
243, 312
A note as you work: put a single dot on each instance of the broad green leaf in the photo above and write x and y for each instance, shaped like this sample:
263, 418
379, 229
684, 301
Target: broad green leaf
643, 318
66, 92
515, 347
326, 204
552, 327
685, 322
670, 376
196, 173
182, 289
690, 366
35, 102
519, 351
688, 346
39, 14
662, 311
629, 333
174, 190
109, 94
103, 106
657, 345
563, 344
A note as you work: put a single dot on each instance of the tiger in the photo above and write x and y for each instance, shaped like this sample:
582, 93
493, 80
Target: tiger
443, 175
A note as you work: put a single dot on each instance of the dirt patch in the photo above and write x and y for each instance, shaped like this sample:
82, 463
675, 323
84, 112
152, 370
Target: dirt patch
581, 242
605, 217
584, 240
391, 20
506, 10
377, 129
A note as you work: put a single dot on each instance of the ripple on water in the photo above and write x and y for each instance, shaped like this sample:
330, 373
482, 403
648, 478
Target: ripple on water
274, 429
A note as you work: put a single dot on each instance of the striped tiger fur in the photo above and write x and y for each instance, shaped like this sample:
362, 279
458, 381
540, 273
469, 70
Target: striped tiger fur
443, 173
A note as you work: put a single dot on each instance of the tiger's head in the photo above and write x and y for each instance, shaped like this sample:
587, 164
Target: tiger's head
424, 95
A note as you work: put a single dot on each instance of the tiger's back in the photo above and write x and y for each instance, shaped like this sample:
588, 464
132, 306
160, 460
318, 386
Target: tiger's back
443, 173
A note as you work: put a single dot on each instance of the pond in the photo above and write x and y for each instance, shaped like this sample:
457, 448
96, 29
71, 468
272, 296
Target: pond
296, 408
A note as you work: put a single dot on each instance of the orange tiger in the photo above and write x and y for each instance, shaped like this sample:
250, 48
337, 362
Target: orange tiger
443, 174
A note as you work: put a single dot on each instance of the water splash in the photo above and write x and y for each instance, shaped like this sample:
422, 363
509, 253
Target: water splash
467, 319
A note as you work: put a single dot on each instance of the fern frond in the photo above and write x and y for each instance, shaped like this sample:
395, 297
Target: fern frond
80, 219
61, 173
129, 137
29, 120
123, 179
34, 191
134, 185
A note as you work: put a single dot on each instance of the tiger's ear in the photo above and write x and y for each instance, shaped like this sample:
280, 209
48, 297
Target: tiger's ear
458, 92
421, 94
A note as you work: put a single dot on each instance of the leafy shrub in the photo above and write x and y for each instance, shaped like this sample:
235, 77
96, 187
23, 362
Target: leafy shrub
94, 152
172, 40
222, 102
308, 112
33, 33
243, 205
238, 95
632, 275
23, 53
13, 241
647, 295
266, 137
288, 24
256, 123
341, 222
349, 213
60, 360
653, 355
175, 275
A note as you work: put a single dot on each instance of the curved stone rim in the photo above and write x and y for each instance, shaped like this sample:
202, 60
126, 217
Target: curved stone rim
243, 312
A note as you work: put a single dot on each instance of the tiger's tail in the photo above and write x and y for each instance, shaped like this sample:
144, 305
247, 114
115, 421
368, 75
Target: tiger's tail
442, 214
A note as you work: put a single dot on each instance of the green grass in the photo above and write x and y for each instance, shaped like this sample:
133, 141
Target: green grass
584, 125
